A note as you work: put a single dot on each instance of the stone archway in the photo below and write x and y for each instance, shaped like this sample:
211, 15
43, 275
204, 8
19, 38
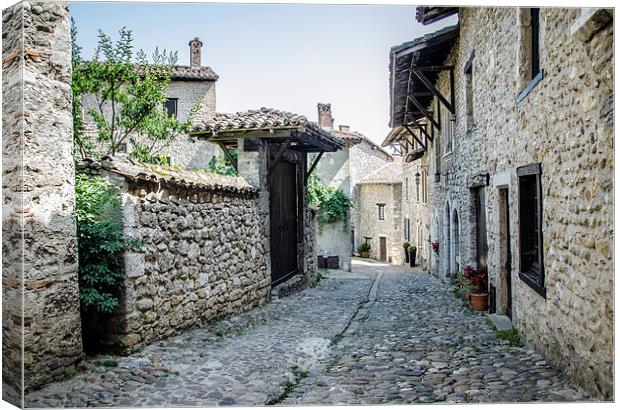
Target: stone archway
446, 240
455, 252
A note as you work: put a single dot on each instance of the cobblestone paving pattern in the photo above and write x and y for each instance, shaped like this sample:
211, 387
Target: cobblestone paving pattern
379, 335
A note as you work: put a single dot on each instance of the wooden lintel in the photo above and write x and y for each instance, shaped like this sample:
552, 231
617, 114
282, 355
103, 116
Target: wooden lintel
427, 83
314, 164
278, 156
228, 155
414, 136
424, 112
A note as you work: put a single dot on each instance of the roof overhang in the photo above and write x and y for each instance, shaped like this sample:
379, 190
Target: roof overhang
430, 14
414, 69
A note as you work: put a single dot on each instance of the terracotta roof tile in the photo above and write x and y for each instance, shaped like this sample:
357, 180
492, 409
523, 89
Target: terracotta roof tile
186, 73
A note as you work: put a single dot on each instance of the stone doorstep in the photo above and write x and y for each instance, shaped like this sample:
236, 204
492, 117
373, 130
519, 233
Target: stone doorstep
500, 322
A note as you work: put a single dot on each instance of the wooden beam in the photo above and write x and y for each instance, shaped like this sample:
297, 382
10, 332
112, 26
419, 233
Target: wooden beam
314, 164
436, 68
423, 130
424, 112
278, 157
414, 136
228, 155
427, 83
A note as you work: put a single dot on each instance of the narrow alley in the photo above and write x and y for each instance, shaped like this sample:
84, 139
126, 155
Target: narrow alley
381, 334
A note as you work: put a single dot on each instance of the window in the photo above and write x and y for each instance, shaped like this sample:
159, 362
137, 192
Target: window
417, 188
447, 130
407, 228
171, 107
530, 228
469, 91
407, 189
530, 72
381, 209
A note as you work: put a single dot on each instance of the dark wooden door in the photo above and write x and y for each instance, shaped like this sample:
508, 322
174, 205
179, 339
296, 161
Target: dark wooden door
481, 231
382, 248
283, 213
508, 266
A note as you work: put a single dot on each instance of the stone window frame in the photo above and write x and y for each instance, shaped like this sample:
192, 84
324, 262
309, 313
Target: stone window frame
407, 228
468, 75
406, 188
533, 275
424, 188
527, 78
381, 211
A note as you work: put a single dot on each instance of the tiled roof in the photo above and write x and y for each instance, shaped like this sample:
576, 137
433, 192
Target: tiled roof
354, 137
203, 122
133, 170
186, 73
391, 173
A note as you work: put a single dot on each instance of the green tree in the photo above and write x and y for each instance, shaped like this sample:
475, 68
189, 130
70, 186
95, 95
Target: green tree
334, 205
221, 165
130, 98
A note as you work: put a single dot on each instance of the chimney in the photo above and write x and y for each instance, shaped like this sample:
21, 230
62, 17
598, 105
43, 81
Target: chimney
194, 52
325, 115
344, 128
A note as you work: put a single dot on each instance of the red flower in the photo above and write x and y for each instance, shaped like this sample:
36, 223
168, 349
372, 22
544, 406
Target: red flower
478, 280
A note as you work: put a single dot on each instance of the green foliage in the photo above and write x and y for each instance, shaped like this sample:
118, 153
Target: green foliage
334, 205
221, 165
129, 98
100, 243
406, 245
365, 247
107, 363
511, 335
412, 248
462, 287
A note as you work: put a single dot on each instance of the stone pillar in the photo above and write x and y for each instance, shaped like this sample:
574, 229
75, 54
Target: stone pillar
253, 163
40, 278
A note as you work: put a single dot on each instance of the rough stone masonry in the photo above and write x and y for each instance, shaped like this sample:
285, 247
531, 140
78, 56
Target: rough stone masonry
39, 243
203, 256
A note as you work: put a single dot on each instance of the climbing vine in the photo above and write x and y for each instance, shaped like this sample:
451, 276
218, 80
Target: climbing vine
100, 244
221, 165
333, 204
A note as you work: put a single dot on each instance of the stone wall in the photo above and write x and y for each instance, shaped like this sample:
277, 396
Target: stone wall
39, 241
203, 257
565, 123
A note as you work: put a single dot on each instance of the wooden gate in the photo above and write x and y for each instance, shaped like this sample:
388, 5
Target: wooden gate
283, 207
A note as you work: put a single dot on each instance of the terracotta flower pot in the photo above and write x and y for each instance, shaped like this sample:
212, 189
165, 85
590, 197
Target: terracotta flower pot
478, 301
365, 254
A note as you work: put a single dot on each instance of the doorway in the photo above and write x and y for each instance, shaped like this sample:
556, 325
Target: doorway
481, 231
382, 248
284, 221
505, 252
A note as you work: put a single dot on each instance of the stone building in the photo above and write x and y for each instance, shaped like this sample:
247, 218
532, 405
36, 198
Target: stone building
189, 86
40, 309
342, 169
515, 106
378, 201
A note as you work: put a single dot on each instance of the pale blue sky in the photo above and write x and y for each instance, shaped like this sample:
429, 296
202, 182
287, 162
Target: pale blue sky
287, 57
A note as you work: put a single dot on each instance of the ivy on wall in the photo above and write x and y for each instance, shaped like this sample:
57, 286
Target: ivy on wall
333, 204
100, 244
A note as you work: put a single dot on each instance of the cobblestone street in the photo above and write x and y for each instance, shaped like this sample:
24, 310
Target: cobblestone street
379, 335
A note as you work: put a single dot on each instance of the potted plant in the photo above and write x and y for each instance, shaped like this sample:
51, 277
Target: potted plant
412, 249
406, 247
435, 246
478, 295
364, 250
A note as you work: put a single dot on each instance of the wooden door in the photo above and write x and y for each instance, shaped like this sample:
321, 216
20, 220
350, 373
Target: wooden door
382, 248
481, 231
508, 264
283, 208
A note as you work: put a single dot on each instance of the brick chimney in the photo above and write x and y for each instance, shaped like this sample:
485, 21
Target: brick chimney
195, 47
325, 115
344, 128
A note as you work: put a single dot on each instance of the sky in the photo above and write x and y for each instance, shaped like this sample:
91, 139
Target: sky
283, 56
